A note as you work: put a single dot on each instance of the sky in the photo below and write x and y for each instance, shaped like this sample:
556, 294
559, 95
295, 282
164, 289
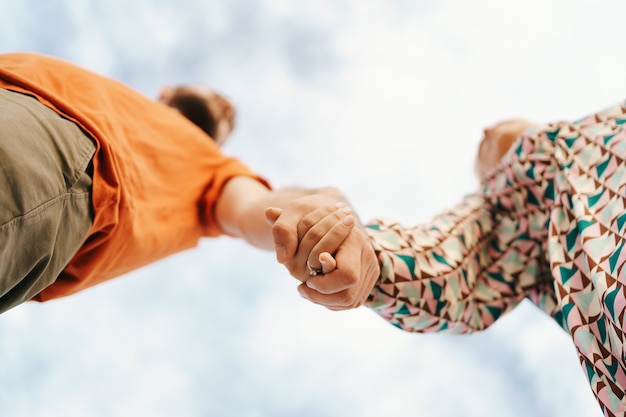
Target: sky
385, 100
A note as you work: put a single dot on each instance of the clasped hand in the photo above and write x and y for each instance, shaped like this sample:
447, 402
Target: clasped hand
315, 233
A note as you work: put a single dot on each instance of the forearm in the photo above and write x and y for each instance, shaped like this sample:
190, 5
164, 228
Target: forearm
242, 205
457, 274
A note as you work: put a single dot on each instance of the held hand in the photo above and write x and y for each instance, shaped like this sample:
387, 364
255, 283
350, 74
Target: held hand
285, 223
305, 238
345, 280
356, 273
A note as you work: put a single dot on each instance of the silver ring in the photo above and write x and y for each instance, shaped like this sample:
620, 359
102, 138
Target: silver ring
314, 271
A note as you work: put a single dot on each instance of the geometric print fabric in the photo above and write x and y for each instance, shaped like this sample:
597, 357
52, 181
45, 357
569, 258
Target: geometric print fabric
549, 225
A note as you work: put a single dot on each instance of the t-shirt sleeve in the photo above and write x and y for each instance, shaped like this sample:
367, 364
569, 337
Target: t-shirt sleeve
228, 169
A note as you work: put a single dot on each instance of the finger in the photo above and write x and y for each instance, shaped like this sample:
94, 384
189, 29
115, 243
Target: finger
369, 270
272, 214
332, 283
348, 258
284, 232
337, 224
287, 228
325, 236
351, 283
285, 240
311, 228
356, 270
327, 262
330, 240
314, 226
336, 302
314, 217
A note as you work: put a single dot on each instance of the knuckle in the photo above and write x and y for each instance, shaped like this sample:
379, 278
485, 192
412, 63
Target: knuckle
315, 233
306, 223
313, 259
349, 280
338, 232
345, 298
279, 229
336, 215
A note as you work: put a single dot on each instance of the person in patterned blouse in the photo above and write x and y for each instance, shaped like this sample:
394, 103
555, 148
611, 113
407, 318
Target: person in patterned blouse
547, 225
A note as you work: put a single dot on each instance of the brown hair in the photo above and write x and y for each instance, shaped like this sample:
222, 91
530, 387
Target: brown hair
195, 109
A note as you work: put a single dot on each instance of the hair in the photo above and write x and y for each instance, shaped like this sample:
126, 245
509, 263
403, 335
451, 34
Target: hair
195, 109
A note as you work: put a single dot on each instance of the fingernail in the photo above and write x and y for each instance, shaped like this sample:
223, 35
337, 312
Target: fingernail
308, 284
348, 221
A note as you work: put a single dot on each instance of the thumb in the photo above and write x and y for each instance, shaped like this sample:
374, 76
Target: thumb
272, 214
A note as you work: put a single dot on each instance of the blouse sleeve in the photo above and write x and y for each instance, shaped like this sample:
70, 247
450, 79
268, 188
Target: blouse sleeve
467, 267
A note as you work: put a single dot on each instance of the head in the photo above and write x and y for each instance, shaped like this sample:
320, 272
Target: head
496, 142
207, 109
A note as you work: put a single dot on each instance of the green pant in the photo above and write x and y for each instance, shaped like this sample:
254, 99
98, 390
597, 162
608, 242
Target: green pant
45, 195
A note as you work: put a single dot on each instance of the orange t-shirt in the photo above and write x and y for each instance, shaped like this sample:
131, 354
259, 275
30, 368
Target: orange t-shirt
156, 175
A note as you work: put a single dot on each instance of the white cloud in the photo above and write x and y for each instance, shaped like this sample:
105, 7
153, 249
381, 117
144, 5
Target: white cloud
386, 100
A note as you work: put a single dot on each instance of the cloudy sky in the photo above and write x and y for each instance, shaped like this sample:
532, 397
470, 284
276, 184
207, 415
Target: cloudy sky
385, 99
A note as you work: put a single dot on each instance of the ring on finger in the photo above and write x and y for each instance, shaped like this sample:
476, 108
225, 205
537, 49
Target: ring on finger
314, 271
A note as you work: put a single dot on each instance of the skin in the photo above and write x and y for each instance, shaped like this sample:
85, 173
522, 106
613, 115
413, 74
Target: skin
497, 140
314, 227
356, 268
343, 251
240, 208
323, 229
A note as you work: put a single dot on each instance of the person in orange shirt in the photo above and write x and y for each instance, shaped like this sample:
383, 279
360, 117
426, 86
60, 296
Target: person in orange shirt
97, 180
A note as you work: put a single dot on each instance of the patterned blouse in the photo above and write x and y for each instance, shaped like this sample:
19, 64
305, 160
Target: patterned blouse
549, 225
